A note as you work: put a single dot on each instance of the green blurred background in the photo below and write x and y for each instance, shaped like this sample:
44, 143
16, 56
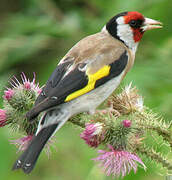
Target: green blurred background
36, 34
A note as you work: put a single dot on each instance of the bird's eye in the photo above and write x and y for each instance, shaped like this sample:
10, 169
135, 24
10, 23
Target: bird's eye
133, 23
136, 23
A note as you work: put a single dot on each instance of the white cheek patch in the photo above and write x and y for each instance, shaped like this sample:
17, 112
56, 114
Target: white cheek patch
125, 33
120, 20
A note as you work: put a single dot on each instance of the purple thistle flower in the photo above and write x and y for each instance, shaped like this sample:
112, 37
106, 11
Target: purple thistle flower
8, 94
3, 118
118, 163
26, 83
126, 123
92, 134
30, 84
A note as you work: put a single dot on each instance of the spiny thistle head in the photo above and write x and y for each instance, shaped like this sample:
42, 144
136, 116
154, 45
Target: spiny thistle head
18, 100
117, 133
118, 163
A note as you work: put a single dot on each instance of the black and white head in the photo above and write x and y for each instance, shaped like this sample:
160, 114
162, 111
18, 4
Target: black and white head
129, 27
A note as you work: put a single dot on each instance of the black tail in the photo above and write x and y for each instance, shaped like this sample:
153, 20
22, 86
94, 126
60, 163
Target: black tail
29, 157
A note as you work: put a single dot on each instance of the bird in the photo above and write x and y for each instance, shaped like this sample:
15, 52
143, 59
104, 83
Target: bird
85, 77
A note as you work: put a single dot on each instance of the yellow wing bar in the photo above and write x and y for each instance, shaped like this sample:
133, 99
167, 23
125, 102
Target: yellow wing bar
92, 78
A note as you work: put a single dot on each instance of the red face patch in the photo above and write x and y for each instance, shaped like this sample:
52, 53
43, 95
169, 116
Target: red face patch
137, 32
134, 15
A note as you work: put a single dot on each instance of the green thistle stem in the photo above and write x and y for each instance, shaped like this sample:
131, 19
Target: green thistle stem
155, 156
164, 133
150, 121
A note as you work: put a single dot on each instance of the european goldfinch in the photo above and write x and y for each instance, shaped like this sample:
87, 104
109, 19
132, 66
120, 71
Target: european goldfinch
85, 77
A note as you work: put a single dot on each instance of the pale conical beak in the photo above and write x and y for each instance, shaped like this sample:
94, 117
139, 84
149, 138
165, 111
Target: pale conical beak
151, 24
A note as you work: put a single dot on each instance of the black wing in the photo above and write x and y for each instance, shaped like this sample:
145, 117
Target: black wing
57, 89
53, 80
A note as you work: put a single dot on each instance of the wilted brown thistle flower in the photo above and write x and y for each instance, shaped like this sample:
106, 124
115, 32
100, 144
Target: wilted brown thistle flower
126, 102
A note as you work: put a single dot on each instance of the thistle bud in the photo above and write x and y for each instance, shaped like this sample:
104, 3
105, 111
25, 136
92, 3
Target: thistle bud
126, 123
92, 134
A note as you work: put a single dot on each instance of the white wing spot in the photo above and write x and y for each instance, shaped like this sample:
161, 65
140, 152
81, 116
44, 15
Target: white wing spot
18, 163
54, 97
29, 164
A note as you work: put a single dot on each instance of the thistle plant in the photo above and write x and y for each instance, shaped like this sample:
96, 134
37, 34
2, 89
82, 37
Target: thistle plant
17, 100
126, 133
129, 130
